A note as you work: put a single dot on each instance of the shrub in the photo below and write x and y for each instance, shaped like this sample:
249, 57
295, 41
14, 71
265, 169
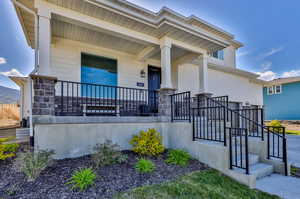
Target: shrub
275, 123
7, 150
82, 179
147, 143
34, 163
178, 157
108, 154
144, 166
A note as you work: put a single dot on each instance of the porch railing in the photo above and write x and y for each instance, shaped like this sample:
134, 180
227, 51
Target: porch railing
78, 99
181, 106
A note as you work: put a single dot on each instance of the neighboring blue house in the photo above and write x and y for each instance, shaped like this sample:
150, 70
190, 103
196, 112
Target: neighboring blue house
282, 99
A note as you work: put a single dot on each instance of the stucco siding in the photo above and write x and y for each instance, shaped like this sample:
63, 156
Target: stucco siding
283, 106
239, 89
188, 78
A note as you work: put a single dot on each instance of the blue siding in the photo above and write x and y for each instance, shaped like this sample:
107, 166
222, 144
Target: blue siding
284, 106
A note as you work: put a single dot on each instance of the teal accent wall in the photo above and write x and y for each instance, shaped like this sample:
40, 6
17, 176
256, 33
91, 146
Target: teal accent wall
284, 106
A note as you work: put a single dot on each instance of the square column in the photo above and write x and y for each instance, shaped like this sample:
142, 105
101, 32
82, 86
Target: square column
166, 76
203, 74
44, 41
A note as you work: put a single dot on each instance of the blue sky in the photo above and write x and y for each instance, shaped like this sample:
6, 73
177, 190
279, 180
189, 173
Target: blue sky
269, 30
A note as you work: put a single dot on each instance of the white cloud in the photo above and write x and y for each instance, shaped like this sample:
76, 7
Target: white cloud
292, 73
240, 54
272, 51
12, 72
267, 75
266, 65
2, 60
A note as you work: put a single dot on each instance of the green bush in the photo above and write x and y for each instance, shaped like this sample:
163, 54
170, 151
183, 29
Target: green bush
108, 154
178, 157
147, 143
82, 179
7, 150
276, 123
34, 163
144, 166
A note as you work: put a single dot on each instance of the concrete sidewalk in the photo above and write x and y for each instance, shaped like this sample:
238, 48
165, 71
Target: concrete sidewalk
284, 186
293, 145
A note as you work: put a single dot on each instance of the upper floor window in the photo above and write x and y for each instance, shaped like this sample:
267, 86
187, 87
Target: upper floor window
275, 89
219, 54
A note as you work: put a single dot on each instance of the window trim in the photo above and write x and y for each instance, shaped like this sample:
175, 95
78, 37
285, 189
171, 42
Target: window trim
268, 90
275, 86
273, 89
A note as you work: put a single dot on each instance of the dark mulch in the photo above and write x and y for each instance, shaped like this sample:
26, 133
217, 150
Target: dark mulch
110, 180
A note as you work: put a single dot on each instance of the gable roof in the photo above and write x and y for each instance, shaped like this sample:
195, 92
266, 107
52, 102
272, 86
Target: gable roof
283, 81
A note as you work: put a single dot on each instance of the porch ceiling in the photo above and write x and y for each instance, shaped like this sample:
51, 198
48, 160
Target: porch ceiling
79, 33
156, 25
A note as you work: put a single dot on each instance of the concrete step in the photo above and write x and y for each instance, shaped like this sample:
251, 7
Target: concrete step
22, 133
253, 159
259, 170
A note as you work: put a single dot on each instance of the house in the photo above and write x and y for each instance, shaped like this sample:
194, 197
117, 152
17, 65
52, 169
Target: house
281, 99
108, 69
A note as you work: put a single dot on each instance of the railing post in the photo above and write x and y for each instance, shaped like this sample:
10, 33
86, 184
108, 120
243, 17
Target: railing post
172, 104
164, 105
224, 121
189, 106
262, 124
284, 151
193, 112
230, 148
268, 142
246, 151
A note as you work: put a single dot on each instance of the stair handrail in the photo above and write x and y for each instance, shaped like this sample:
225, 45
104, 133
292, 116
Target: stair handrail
267, 128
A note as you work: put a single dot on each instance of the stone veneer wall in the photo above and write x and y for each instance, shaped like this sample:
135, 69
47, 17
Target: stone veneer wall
44, 95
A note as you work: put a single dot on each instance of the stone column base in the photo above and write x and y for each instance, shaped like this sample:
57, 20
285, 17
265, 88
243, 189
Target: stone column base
164, 104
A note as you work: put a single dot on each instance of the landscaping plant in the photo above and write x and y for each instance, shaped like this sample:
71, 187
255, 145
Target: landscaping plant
108, 154
34, 163
147, 143
178, 157
144, 166
7, 150
82, 179
275, 123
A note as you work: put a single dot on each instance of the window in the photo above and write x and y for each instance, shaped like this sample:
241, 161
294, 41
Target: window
98, 70
275, 89
278, 89
218, 54
270, 90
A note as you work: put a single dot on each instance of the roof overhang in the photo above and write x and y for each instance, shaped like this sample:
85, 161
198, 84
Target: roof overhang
282, 81
20, 81
166, 22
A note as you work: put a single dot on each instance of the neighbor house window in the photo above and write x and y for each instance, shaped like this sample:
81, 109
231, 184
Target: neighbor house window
278, 89
101, 71
218, 54
275, 89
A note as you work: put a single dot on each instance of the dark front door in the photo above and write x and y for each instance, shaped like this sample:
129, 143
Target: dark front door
154, 78
154, 81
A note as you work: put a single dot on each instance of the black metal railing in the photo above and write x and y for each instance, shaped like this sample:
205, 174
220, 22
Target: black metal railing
277, 144
238, 148
250, 118
181, 107
273, 132
75, 98
209, 124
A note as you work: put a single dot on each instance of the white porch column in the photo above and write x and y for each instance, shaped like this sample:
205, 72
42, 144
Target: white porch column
166, 76
203, 74
44, 41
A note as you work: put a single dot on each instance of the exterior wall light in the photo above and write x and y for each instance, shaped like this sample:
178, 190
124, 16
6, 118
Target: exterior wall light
142, 73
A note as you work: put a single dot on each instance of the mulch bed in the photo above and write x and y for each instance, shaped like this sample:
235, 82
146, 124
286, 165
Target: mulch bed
110, 179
